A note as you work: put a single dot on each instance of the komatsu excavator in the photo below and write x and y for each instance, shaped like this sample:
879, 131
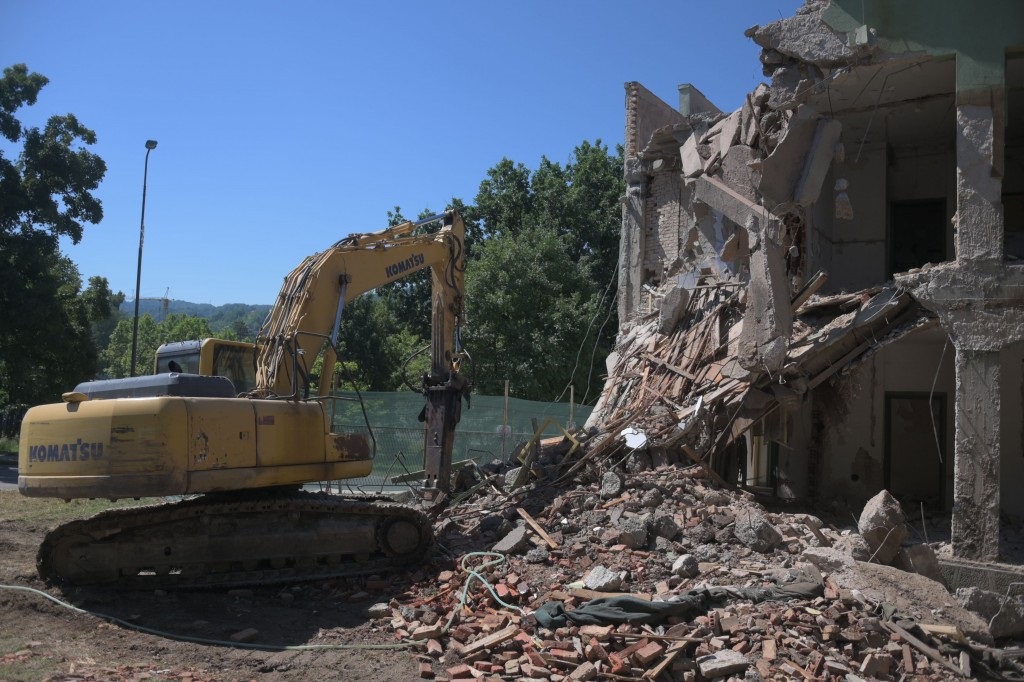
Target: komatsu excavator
239, 459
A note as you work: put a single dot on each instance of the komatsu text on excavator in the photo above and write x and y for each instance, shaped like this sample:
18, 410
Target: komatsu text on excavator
239, 455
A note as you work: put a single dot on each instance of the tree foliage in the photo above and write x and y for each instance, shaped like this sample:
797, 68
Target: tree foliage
376, 342
117, 356
540, 284
542, 248
46, 339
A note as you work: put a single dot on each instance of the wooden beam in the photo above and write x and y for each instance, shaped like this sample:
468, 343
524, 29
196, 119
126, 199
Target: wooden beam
536, 526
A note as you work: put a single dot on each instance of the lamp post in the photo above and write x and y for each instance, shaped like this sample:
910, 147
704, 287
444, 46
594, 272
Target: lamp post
150, 146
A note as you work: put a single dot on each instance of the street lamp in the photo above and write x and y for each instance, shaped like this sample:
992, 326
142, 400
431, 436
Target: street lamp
150, 146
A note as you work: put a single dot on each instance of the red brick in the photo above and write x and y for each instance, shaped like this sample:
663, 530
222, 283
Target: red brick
649, 653
569, 655
460, 672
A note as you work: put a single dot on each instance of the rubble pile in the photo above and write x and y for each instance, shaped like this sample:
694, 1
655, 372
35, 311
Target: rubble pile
658, 573
690, 391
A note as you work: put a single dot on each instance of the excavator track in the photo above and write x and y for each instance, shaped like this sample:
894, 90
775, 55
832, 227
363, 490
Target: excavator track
242, 539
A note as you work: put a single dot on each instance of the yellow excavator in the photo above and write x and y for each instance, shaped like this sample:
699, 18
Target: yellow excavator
238, 456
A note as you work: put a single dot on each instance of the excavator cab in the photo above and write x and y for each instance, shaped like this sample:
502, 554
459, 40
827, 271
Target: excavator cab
235, 360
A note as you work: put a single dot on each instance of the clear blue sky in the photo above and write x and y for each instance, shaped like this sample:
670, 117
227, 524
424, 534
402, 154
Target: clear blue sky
283, 127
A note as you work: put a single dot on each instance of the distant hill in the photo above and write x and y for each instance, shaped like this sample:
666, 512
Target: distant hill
219, 316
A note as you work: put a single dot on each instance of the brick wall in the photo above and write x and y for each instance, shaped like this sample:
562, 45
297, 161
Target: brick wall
663, 217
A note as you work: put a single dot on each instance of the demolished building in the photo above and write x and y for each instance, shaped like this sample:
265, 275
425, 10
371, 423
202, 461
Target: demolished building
821, 294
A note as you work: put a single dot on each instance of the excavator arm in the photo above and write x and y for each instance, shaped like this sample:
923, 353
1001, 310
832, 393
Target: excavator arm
307, 316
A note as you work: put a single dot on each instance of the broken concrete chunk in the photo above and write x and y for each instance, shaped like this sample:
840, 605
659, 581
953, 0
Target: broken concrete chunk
728, 131
722, 663
664, 526
602, 579
920, 559
1004, 615
717, 498
510, 477
741, 170
379, 610
854, 546
818, 160
883, 525
755, 531
783, 169
808, 38
513, 543
686, 566
673, 304
693, 165
632, 533
828, 559
612, 485
773, 354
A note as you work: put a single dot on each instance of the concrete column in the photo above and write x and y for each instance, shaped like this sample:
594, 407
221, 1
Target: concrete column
976, 464
979, 208
631, 245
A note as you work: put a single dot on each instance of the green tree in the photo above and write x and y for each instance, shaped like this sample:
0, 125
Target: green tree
377, 342
46, 341
117, 356
529, 310
540, 283
103, 308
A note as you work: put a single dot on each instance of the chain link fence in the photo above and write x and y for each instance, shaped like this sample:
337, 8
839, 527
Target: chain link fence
490, 429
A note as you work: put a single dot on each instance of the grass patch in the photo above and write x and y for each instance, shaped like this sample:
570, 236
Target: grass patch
8, 445
19, 663
16, 507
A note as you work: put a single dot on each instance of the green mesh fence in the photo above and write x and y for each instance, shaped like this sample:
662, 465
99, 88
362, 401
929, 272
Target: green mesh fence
480, 435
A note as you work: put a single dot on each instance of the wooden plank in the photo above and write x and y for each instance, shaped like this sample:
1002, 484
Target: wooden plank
928, 651
947, 630
491, 640
817, 281
536, 526
658, 362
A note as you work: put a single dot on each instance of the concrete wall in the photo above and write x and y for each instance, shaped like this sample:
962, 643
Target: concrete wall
645, 113
855, 252
852, 469
857, 258
925, 173
1012, 431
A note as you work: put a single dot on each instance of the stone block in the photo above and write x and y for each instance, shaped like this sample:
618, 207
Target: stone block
882, 524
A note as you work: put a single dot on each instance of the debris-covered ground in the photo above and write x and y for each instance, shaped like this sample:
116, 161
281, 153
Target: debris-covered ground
655, 572
705, 583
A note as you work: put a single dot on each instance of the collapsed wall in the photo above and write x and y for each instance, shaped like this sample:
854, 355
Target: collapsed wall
722, 331
792, 272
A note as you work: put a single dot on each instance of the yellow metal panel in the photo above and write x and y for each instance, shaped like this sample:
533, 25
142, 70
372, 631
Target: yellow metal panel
128, 447
289, 432
258, 477
220, 433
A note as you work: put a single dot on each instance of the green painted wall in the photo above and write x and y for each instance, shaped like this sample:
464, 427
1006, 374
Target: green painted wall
978, 32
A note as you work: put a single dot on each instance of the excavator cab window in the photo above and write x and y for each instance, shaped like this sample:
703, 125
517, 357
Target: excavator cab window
236, 363
183, 357
210, 357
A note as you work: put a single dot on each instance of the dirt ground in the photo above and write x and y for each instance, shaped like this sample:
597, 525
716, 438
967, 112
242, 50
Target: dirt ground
41, 640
